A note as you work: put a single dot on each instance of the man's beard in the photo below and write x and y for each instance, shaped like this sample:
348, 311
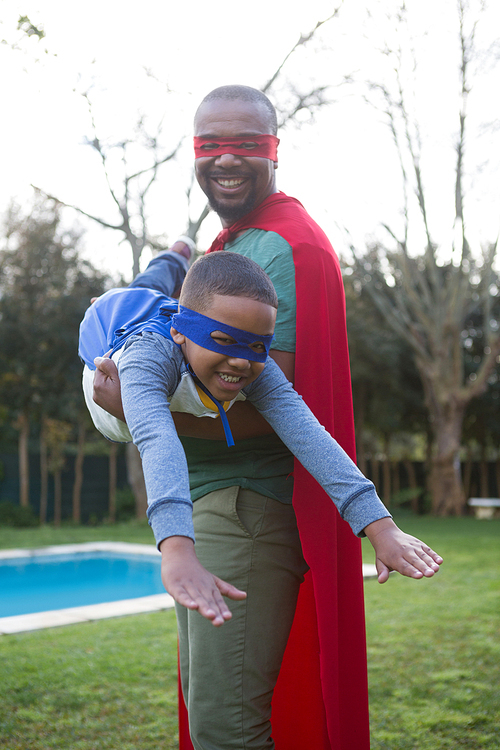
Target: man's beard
231, 213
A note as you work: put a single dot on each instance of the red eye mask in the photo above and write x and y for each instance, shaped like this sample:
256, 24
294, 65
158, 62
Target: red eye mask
265, 146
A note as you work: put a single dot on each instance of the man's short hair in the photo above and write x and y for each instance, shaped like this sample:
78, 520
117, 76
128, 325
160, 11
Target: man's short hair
228, 274
245, 94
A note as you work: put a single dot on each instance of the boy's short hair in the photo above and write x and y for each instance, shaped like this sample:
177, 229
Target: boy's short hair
228, 274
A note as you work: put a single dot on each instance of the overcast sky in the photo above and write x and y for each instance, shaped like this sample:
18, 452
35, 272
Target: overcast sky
342, 166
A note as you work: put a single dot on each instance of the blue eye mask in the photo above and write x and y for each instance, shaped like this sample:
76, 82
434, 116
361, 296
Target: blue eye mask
198, 328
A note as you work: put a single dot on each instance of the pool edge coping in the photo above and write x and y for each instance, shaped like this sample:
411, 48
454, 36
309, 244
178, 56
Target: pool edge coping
64, 549
91, 612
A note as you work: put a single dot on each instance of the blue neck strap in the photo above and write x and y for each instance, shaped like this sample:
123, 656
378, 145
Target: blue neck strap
198, 328
222, 413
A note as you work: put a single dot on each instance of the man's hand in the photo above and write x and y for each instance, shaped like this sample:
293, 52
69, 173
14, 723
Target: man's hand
107, 392
191, 585
398, 551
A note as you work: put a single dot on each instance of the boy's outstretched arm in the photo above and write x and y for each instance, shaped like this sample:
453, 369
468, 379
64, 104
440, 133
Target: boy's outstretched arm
398, 551
191, 585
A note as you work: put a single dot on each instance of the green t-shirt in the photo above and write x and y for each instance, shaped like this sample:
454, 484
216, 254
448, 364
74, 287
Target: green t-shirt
274, 255
262, 464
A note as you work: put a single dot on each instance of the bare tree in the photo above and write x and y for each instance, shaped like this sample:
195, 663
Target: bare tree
311, 100
427, 302
131, 167
130, 192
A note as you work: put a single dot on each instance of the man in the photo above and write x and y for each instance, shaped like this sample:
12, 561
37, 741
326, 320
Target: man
237, 184
245, 524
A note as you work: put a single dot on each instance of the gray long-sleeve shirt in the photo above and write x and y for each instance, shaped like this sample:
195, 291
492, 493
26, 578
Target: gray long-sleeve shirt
150, 370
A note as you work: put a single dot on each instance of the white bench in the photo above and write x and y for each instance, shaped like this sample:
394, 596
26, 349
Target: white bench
484, 507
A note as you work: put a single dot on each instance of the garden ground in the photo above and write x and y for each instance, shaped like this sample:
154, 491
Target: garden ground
433, 656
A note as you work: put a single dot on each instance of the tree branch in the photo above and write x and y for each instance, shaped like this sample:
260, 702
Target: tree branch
303, 40
79, 210
479, 385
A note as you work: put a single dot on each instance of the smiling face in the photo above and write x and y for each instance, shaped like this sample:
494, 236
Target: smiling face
234, 185
223, 375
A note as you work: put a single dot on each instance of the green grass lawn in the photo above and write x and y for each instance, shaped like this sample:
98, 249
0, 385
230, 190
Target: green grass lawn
434, 646
433, 655
138, 532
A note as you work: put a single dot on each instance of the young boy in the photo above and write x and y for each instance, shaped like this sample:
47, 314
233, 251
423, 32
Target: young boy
201, 359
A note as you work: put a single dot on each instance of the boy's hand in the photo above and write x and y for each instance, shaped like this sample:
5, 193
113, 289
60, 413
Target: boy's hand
396, 550
191, 585
107, 392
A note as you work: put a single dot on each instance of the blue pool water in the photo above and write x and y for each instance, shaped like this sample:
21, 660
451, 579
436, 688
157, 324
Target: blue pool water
37, 584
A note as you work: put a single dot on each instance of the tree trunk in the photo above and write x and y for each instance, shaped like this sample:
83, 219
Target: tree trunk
77, 486
412, 484
386, 474
136, 480
23, 426
428, 458
137, 247
44, 473
359, 417
467, 476
112, 482
448, 497
376, 474
483, 477
396, 482
57, 498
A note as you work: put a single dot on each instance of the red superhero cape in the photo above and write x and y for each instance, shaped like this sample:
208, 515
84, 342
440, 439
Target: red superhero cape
321, 698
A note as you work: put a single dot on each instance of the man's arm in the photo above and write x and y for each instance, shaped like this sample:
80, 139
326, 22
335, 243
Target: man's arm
107, 391
244, 419
286, 363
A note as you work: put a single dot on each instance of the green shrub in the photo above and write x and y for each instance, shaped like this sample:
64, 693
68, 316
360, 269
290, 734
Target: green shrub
403, 499
17, 516
125, 504
405, 496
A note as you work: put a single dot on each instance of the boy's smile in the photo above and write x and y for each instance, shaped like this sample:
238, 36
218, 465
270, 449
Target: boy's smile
225, 375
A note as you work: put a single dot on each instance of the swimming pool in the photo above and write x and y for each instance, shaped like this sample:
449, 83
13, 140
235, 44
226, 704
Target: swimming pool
37, 584
74, 583
105, 607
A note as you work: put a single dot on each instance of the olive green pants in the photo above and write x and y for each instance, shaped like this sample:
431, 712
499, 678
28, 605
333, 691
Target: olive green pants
229, 673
